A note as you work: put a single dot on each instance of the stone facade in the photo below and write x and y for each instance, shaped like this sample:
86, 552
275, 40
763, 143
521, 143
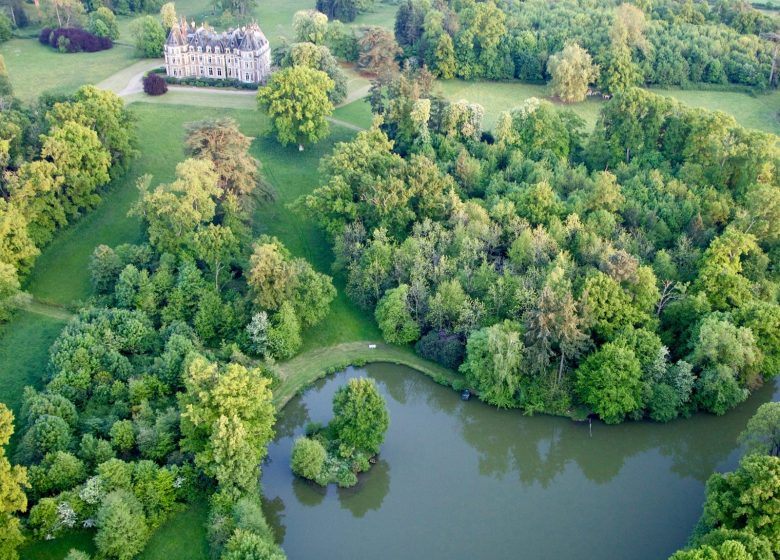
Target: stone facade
238, 54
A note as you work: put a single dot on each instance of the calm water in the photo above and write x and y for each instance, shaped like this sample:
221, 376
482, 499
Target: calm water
462, 480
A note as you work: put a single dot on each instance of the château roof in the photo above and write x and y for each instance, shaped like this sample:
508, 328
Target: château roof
250, 37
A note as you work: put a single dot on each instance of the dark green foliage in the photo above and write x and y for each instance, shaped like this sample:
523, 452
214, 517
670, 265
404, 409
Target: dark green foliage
445, 349
360, 417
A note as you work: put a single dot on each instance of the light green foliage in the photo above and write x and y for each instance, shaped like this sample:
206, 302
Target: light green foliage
747, 498
6, 29
122, 531
276, 278
608, 308
102, 23
16, 247
149, 37
762, 434
9, 288
394, 318
13, 481
609, 381
168, 15
284, 336
308, 458
310, 26
360, 417
173, 212
721, 343
81, 160
572, 71
226, 420
296, 100
245, 545
728, 550
493, 366
122, 435
721, 271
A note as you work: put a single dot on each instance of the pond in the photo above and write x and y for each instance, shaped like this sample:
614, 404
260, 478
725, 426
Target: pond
463, 480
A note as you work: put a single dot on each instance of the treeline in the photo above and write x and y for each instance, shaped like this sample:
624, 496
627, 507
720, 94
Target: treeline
660, 43
160, 393
631, 271
740, 519
55, 158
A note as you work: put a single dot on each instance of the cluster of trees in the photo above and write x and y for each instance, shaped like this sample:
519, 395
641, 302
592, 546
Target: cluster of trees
629, 271
741, 520
150, 400
201, 265
72, 15
135, 420
343, 448
72, 39
344, 10
668, 43
53, 163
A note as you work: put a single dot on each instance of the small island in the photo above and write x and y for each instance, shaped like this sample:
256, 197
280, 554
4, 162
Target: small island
345, 447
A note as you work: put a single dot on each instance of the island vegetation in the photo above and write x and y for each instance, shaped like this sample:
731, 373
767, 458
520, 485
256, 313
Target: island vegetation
348, 444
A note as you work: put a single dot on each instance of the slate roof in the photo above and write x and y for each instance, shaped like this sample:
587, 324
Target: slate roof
248, 38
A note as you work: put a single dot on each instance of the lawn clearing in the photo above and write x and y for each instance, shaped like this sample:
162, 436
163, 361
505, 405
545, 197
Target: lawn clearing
35, 68
357, 113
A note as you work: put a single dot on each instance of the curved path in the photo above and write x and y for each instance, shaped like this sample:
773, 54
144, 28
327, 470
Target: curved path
299, 372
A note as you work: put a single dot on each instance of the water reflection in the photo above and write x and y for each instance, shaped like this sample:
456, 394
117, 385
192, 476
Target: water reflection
477, 475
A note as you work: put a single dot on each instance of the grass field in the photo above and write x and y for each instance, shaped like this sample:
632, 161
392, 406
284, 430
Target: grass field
357, 113
760, 111
35, 68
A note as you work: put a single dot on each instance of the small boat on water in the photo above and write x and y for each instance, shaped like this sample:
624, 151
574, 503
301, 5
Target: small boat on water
465, 395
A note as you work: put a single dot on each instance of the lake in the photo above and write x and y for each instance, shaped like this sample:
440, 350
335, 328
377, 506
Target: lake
462, 480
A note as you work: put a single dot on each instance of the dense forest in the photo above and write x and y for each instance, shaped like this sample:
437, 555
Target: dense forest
656, 43
55, 159
630, 271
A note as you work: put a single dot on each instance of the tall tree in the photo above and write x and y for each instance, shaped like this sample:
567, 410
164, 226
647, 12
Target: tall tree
296, 100
572, 71
13, 481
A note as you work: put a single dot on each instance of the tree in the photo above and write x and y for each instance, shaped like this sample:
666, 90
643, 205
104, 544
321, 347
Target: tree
720, 276
721, 343
378, 49
296, 100
217, 246
62, 13
308, 458
572, 71
6, 88
6, 27
493, 365
149, 37
81, 160
104, 112
319, 57
607, 307
360, 417
168, 15
762, 434
13, 481
226, 421
619, 73
9, 288
284, 336
246, 545
747, 498
221, 142
102, 23
310, 26
394, 318
122, 531
16, 247
173, 213
609, 381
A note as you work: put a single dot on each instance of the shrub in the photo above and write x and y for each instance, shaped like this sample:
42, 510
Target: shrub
308, 457
6, 28
442, 347
154, 84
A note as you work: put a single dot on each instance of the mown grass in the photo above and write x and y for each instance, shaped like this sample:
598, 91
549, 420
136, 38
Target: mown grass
759, 111
357, 113
35, 68
24, 353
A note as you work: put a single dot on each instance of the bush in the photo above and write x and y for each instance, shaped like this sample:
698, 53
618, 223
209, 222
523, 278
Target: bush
443, 348
308, 457
206, 82
69, 39
6, 29
154, 84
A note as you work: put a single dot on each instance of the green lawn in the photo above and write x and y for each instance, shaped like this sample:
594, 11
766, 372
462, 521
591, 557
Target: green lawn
760, 112
357, 113
24, 353
35, 68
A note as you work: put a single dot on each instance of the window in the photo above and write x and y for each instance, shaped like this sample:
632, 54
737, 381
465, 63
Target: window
247, 77
209, 60
229, 72
192, 58
211, 71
